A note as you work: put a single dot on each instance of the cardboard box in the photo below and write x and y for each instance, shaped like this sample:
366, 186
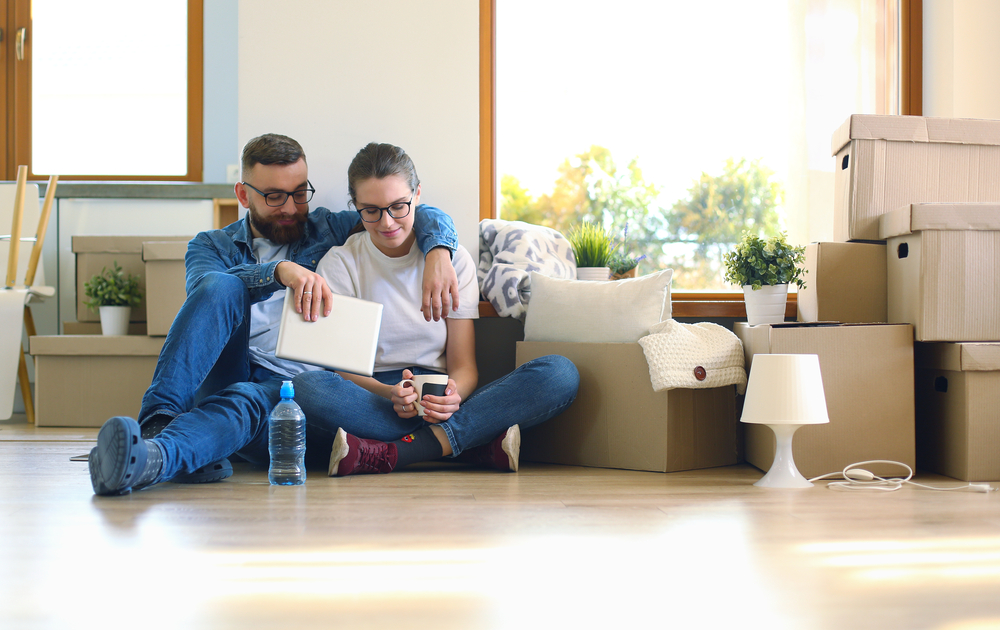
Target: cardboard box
845, 282
943, 270
94, 253
868, 381
164, 283
82, 380
958, 409
884, 162
94, 328
618, 421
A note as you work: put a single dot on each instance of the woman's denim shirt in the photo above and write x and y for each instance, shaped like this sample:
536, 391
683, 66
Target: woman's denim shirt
230, 250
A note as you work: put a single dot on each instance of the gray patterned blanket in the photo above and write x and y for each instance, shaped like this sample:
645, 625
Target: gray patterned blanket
508, 252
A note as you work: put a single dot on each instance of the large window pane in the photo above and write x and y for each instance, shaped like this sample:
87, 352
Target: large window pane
109, 87
687, 121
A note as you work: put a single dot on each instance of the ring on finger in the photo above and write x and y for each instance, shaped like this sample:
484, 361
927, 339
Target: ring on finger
307, 293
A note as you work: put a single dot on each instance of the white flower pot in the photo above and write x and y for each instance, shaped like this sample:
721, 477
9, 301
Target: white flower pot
766, 305
593, 273
114, 319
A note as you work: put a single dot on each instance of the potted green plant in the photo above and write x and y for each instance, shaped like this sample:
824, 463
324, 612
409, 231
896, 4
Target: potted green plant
593, 248
764, 268
622, 264
113, 293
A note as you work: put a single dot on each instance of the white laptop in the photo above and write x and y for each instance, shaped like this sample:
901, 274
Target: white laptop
346, 339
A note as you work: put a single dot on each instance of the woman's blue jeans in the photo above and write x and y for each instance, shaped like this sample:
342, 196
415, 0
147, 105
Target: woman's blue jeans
530, 395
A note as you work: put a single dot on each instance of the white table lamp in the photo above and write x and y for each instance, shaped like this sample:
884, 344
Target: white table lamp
785, 391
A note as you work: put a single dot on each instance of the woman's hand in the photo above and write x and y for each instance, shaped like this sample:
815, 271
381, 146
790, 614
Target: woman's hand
403, 396
439, 408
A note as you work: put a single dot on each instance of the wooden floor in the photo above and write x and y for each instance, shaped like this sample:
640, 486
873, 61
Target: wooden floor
447, 547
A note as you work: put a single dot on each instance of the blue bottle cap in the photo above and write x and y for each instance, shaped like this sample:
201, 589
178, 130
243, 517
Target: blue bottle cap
287, 390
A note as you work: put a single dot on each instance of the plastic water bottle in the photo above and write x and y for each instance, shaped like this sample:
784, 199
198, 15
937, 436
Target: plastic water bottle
287, 440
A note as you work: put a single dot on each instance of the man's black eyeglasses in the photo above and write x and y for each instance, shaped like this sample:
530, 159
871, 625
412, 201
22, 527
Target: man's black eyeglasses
373, 214
276, 199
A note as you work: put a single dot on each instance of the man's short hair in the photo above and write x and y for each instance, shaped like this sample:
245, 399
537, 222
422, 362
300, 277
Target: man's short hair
270, 148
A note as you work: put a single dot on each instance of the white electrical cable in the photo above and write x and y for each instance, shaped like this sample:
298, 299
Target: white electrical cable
856, 478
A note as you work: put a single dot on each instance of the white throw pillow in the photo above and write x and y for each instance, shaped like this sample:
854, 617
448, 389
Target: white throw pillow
619, 311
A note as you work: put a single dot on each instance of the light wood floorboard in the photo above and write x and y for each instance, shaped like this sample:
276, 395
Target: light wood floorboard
443, 547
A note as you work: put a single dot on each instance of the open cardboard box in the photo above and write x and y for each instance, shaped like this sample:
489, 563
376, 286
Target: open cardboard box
845, 282
618, 421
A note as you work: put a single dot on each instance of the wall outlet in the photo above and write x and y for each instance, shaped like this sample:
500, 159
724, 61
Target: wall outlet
232, 173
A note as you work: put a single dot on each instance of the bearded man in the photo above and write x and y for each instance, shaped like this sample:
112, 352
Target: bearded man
217, 377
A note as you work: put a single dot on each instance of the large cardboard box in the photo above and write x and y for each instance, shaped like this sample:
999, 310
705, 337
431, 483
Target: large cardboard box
868, 381
943, 270
164, 283
82, 380
94, 253
958, 409
618, 421
845, 282
94, 328
884, 162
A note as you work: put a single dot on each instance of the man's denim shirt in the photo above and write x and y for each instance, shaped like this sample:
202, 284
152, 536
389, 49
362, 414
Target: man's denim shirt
229, 250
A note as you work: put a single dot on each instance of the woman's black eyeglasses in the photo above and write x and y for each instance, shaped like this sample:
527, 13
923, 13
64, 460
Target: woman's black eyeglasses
373, 214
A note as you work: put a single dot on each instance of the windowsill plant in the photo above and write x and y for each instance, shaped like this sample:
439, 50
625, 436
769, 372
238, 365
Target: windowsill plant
765, 268
593, 248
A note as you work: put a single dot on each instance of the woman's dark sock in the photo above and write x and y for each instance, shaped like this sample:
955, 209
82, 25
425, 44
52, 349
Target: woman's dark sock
420, 446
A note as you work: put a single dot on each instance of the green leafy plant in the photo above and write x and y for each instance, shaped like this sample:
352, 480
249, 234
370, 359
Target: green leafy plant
621, 261
591, 245
758, 262
112, 287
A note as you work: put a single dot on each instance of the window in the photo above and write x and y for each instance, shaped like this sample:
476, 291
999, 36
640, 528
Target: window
115, 89
687, 121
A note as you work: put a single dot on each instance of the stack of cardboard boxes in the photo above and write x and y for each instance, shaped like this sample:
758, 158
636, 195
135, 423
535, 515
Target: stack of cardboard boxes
917, 212
82, 378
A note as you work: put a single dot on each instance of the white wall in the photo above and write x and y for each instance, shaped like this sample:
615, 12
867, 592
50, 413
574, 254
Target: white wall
961, 58
337, 75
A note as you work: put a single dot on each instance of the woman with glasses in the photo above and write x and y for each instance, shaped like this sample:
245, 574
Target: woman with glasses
377, 429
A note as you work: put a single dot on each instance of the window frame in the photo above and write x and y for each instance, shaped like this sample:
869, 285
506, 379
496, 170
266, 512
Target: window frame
16, 77
899, 86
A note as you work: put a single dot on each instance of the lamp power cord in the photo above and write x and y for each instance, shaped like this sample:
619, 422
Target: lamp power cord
854, 477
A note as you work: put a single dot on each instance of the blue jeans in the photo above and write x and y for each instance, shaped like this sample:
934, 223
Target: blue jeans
531, 394
205, 349
204, 383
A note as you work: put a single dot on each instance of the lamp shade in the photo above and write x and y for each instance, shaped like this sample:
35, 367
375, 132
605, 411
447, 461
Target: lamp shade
785, 389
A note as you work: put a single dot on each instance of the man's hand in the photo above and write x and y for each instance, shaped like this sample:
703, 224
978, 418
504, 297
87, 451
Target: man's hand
440, 285
312, 294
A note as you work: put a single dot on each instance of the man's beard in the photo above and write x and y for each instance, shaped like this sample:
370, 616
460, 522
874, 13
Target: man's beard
278, 234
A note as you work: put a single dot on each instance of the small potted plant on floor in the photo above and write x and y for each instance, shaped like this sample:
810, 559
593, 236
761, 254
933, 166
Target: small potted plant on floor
113, 293
764, 268
593, 248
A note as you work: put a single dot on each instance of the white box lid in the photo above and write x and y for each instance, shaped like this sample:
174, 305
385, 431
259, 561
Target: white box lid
916, 129
917, 217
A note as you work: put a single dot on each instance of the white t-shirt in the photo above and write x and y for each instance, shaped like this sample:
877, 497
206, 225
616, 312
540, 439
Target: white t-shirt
265, 319
359, 269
